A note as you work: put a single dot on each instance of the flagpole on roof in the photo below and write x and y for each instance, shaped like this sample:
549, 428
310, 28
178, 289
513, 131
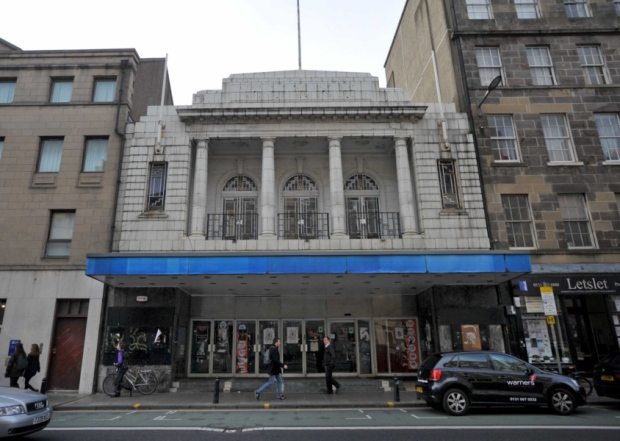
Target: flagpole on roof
298, 36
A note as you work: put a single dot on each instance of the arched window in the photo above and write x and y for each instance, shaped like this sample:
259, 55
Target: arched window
300, 183
240, 183
361, 182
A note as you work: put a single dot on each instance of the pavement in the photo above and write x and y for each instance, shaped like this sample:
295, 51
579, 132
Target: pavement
245, 400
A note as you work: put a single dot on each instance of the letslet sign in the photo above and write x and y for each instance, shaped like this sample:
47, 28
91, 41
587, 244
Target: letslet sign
571, 284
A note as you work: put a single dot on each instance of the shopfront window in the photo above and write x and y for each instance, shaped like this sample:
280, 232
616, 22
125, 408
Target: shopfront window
143, 345
471, 337
201, 347
398, 345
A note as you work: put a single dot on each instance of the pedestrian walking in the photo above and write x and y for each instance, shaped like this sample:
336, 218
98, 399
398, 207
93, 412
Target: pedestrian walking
33, 366
329, 359
275, 372
121, 367
17, 365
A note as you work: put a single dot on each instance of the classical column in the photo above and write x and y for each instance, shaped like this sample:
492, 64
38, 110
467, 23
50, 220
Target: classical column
199, 195
336, 186
405, 190
268, 191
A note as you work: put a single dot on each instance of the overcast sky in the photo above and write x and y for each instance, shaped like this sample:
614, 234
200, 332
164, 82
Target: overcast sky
207, 40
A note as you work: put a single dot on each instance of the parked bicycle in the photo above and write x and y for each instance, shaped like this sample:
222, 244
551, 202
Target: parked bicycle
141, 379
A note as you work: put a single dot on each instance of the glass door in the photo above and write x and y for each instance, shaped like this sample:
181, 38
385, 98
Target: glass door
344, 339
223, 344
371, 213
201, 347
245, 347
315, 330
240, 219
292, 346
397, 345
267, 331
301, 217
363, 217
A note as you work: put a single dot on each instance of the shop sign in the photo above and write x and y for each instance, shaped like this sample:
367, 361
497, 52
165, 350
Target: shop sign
572, 284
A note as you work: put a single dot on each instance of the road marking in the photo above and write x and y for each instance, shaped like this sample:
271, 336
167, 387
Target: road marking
343, 428
429, 417
164, 417
132, 429
366, 416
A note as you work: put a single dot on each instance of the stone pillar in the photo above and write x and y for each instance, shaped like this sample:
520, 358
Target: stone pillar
199, 198
405, 190
268, 191
336, 186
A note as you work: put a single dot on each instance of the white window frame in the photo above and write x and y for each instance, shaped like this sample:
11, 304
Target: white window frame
541, 67
489, 60
575, 213
527, 9
59, 236
550, 128
57, 95
593, 64
577, 8
479, 9
7, 93
526, 220
608, 128
500, 140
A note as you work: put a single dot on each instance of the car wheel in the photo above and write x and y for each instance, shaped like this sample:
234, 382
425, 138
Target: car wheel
562, 401
456, 402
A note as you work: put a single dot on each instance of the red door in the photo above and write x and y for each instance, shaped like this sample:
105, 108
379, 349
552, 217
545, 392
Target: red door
67, 351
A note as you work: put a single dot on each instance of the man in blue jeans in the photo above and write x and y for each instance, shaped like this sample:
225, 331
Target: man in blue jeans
275, 372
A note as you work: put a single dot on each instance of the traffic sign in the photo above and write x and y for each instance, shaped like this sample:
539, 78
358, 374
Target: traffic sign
548, 300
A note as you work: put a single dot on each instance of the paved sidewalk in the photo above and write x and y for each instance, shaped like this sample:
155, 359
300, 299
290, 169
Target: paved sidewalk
246, 400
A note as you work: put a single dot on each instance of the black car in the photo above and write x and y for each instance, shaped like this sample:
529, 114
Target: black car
454, 381
607, 376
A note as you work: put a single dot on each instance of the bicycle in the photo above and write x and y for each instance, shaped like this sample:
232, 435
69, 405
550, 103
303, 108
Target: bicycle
140, 379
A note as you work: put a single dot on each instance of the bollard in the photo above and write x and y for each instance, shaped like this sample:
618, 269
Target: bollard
43, 386
216, 391
396, 390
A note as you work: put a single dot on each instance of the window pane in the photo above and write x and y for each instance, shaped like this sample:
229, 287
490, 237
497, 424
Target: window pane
104, 90
50, 156
157, 187
608, 127
7, 91
60, 235
541, 68
617, 6
576, 8
95, 155
61, 91
479, 9
502, 133
489, 64
518, 221
557, 138
527, 9
592, 63
576, 221
448, 183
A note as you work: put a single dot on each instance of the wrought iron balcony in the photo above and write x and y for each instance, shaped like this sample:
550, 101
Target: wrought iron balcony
373, 225
232, 226
303, 226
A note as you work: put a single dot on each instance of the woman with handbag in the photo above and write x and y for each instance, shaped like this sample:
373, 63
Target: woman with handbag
17, 365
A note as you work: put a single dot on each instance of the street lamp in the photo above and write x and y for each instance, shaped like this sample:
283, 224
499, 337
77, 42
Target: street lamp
492, 86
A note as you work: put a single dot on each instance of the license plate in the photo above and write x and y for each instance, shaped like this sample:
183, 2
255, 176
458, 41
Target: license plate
607, 378
419, 390
41, 419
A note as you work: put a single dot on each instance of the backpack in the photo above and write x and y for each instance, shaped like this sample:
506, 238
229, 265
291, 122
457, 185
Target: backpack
266, 357
21, 363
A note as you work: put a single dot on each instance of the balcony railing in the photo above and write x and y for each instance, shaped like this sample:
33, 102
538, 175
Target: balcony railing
232, 226
303, 226
373, 225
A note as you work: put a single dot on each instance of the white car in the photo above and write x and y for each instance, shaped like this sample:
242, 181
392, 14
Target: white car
22, 412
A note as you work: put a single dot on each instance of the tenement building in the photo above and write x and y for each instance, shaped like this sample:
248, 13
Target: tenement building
299, 204
62, 129
539, 81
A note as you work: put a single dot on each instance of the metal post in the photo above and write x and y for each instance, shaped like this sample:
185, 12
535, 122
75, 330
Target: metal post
216, 391
43, 388
396, 390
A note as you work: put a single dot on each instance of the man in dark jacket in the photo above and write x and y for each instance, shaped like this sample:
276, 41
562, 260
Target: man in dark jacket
275, 372
329, 359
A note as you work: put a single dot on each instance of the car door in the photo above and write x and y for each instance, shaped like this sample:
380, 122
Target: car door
476, 371
516, 381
